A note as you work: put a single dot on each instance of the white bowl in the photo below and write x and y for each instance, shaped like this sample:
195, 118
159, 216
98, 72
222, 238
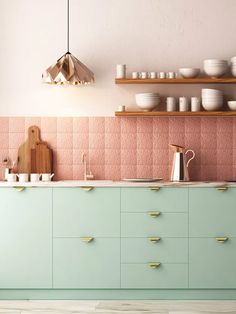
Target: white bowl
233, 71
232, 105
215, 71
148, 94
146, 104
215, 61
189, 72
212, 106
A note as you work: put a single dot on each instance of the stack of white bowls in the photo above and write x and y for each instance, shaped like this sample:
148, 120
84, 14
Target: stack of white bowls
147, 101
215, 67
233, 66
212, 99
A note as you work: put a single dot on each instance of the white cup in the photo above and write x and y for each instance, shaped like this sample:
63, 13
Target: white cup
162, 75
121, 108
144, 75
46, 177
23, 177
153, 75
170, 104
183, 104
135, 75
171, 75
120, 71
195, 104
35, 177
11, 177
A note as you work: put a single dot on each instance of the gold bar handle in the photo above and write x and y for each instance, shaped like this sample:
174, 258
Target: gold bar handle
154, 239
154, 265
87, 188
87, 239
222, 189
222, 239
154, 214
19, 188
154, 188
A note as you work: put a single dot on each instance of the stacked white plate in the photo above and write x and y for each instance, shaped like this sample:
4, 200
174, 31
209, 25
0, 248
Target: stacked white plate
147, 101
233, 66
212, 99
215, 67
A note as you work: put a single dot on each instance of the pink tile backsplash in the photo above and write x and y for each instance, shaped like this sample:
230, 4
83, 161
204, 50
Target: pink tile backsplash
129, 147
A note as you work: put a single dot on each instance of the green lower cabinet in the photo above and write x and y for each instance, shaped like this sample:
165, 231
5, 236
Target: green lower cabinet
25, 238
89, 265
212, 263
142, 276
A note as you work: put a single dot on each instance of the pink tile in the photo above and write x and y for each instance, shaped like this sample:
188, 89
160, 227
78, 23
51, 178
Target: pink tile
224, 173
64, 140
144, 171
225, 157
112, 125
78, 172
96, 141
192, 125
144, 140
112, 157
97, 156
161, 157
96, 124
13, 154
113, 172
17, 124
80, 140
49, 124
128, 157
77, 156
224, 141
16, 139
161, 172
209, 173
160, 140
176, 125
144, 157
64, 172
129, 125
4, 124
193, 140
177, 139
4, 140
32, 121
51, 139
195, 173
128, 171
208, 157
144, 125
160, 124
208, 125
224, 124
4, 153
64, 125
64, 157
208, 141
113, 140
128, 140
81, 125
98, 172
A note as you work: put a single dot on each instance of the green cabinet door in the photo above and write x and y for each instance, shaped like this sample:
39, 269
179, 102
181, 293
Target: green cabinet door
211, 263
146, 199
212, 212
77, 212
26, 238
90, 265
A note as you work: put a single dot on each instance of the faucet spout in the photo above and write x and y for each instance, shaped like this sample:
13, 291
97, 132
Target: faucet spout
87, 172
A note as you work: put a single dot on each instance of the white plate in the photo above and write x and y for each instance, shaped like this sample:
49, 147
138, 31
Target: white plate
142, 179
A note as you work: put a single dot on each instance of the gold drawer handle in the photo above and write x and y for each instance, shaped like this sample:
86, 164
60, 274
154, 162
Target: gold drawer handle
154, 239
222, 189
154, 188
87, 239
154, 265
87, 188
19, 188
154, 213
222, 239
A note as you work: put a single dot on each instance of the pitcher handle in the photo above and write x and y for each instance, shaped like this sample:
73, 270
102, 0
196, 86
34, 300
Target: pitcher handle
190, 150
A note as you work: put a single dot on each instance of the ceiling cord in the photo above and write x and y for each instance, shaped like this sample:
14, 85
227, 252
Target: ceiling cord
68, 25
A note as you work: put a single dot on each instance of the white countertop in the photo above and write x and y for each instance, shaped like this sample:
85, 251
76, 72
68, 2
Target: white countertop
109, 183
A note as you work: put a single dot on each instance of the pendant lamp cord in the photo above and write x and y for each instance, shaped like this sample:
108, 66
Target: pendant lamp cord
68, 25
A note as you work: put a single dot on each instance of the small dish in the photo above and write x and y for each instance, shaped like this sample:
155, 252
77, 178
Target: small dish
232, 105
189, 72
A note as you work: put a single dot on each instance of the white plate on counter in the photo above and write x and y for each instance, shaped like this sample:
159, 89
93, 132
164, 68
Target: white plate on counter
142, 179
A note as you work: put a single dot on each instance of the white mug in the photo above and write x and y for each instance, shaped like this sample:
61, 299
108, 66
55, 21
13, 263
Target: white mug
35, 177
46, 177
23, 177
171, 75
183, 104
11, 177
144, 75
135, 75
195, 104
120, 71
153, 75
162, 75
171, 104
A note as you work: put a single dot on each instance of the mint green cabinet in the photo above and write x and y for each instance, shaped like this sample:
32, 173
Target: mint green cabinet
25, 238
77, 212
78, 264
147, 199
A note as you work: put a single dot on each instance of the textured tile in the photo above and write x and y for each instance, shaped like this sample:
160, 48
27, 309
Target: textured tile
161, 140
77, 156
129, 157
225, 157
224, 141
128, 171
80, 140
209, 172
144, 140
96, 125
176, 125
193, 140
128, 141
144, 157
78, 172
129, 125
17, 124
51, 139
144, 171
97, 157
49, 124
4, 140
113, 140
177, 138
208, 125
112, 125
208, 157
160, 124
112, 172
65, 157
192, 125
98, 172
208, 141
81, 125
4, 124
64, 172
96, 141
161, 157
144, 125
64, 140
112, 157
30, 121
16, 139
64, 125
224, 172
225, 125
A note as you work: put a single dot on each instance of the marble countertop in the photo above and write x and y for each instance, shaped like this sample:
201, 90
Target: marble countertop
109, 183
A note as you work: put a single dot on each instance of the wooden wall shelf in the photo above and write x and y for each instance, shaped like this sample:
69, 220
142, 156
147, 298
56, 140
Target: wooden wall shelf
200, 80
175, 114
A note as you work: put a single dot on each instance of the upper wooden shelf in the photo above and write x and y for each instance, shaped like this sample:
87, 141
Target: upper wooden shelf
199, 80
175, 114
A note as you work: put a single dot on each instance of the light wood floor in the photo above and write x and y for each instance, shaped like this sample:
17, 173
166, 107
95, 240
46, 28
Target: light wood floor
116, 307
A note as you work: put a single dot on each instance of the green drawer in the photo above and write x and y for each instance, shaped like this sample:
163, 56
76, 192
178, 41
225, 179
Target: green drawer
144, 225
145, 199
78, 264
77, 212
212, 264
140, 250
212, 212
141, 276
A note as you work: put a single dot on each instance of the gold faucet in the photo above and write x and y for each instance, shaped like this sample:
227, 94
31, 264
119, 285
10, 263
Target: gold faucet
87, 172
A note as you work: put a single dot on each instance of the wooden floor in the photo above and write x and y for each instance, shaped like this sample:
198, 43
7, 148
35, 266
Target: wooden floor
117, 307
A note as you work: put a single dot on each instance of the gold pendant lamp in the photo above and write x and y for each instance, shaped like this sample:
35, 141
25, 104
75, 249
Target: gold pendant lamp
68, 70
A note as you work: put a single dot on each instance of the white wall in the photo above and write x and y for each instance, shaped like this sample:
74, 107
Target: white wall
144, 34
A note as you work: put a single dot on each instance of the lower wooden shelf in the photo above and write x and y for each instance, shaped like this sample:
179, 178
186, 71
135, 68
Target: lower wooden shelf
175, 114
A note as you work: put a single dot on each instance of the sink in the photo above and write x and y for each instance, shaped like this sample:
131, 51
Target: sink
85, 183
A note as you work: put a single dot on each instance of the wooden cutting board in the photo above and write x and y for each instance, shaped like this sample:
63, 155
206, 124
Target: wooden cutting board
34, 156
